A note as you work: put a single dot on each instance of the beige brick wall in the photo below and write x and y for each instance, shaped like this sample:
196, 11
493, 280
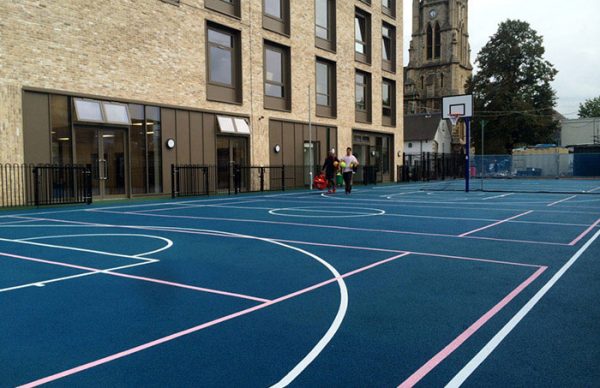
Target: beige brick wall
149, 50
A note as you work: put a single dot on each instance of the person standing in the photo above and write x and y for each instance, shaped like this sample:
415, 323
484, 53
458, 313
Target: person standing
330, 168
349, 164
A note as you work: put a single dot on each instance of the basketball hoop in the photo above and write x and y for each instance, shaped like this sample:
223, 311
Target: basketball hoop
454, 117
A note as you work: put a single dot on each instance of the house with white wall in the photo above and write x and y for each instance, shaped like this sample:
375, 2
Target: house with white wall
427, 133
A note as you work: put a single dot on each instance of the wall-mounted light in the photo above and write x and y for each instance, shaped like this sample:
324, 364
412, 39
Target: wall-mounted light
170, 143
399, 154
277, 148
372, 153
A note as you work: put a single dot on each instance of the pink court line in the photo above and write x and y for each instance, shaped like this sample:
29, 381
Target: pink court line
194, 329
465, 335
561, 201
151, 280
249, 220
585, 232
495, 224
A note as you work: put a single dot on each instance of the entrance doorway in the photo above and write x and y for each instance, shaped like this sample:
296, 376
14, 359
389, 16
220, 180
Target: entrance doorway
105, 149
231, 150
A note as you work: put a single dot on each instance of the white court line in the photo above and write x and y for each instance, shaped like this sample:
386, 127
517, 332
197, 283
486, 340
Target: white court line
402, 232
49, 281
497, 196
169, 242
103, 253
484, 353
290, 376
592, 190
181, 206
389, 196
15, 222
561, 201
494, 224
421, 204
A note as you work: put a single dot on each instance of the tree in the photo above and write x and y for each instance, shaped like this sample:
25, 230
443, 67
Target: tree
590, 108
512, 90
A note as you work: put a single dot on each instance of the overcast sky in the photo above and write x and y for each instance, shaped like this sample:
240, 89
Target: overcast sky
571, 31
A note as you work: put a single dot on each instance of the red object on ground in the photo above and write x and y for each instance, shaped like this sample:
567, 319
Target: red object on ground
320, 182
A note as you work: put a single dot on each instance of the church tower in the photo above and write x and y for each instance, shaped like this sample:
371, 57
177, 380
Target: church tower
439, 54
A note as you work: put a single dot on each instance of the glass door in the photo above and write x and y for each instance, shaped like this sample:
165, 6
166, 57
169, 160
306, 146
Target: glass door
105, 149
231, 151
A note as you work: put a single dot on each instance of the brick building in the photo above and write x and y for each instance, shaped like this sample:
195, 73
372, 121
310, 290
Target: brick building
109, 82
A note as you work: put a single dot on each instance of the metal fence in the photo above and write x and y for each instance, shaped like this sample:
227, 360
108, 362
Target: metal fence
531, 165
189, 180
39, 185
430, 166
197, 180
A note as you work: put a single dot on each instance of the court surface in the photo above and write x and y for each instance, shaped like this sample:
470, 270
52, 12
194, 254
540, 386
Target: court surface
391, 286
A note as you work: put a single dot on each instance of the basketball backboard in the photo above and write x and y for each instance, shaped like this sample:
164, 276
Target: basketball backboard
453, 106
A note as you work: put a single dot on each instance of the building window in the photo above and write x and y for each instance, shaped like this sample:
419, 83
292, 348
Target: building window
434, 42
442, 80
362, 36
429, 42
228, 7
389, 7
362, 97
276, 16
388, 47
277, 76
146, 149
62, 141
388, 102
223, 64
325, 24
438, 41
325, 90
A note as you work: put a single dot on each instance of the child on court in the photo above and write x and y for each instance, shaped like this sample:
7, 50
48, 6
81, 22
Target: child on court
330, 168
349, 164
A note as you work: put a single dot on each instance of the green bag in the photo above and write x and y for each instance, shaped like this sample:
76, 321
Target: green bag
339, 179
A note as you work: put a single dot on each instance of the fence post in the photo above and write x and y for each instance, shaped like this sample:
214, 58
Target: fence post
205, 169
443, 167
262, 179
283, 178
36, 186
173, 181
87, 184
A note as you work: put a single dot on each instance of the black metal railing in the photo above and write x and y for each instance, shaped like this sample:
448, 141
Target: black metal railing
41, 185
430, 166
189, 180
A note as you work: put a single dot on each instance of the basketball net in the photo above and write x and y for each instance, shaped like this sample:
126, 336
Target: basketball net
454, 118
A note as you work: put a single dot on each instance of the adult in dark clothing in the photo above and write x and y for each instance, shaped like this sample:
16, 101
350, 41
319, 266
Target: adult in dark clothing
330, 168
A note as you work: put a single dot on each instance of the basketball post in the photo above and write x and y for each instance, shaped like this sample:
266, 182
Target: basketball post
467, 154
454, 108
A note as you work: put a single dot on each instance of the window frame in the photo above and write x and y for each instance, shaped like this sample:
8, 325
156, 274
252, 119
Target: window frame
389, 11
224, 7
364, 57
363, 115
271, 102
389, 120
329, 110
274, 23
216, 91
328, 44
437, 41
429, 42
388, 64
